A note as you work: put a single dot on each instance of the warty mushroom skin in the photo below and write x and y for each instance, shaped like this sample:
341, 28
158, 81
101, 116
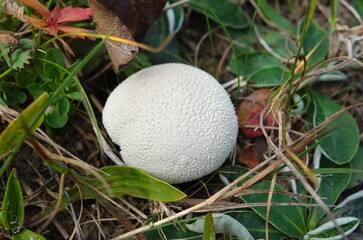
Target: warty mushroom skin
173, 121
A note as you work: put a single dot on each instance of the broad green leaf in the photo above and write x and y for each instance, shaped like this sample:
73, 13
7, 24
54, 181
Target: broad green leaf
342, 143
124, 180
331, 186
155, 36
280, 43
351, 206
208, 228
262, 69
329, 232
24, 78
288, 219
269, 76
316, 36
357, 163
59, 116
256, 225
27, 235
130, 181
54, 55
272, 15
223, 12
13, 205
18, 128
173, 230
222, 224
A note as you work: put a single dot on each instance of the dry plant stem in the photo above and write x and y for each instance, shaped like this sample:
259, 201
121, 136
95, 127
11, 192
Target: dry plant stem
126, 41
300, 177
236, 192
352, 10
132, 207
61, 229
57, 205
222, 61
119, 206
269, 201
76, 227
97, 221
46, 154
199, 44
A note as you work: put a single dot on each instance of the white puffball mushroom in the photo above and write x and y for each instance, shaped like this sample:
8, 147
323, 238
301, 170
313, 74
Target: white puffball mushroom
173, 121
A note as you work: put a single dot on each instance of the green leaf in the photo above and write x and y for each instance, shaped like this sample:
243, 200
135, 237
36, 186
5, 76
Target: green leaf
63, 106
26, 44
316, 36
256, 225
351, 206
58, 117
14, 96
56, 56
357, 163
341, 144
130, 181
24, 78
329, 232
19, 58
331, 186
18, 128
174, 230
55, 120
288, 219
272, 15
13, 205
222, 12
208, 232
357, 5
261, 68
74, 95
223, 223
154, 36
268, 76
27, 235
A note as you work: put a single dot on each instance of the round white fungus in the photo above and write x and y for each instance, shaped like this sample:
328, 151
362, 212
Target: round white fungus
173, 121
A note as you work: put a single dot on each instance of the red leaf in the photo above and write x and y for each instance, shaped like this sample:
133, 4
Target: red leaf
37, 6
249, 112
69, 14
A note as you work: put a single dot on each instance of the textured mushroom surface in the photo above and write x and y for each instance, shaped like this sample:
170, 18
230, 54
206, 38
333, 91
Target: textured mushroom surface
173, 121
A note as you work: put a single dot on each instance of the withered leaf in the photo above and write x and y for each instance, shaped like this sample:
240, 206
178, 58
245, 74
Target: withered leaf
249, 112
108, 23
8, 39
137, 15
248, 156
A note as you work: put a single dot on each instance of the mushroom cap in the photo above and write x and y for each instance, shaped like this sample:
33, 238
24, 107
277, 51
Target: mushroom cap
173, 121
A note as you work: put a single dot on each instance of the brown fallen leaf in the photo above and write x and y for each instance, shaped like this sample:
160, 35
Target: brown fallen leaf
137, 15
248, 156
249, 112
108, 23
